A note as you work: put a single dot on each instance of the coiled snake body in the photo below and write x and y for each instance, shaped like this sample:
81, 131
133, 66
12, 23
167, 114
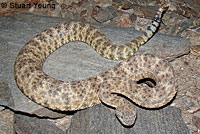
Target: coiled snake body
122, 79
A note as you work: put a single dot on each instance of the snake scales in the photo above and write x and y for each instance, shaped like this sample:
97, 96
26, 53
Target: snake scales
122, 79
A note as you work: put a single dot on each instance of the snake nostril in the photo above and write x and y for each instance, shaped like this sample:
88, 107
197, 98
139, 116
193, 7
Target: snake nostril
148, 81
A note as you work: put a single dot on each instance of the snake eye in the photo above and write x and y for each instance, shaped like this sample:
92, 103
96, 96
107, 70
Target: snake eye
148, 81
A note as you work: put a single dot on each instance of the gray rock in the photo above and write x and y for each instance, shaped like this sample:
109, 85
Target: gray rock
100, 120
5, 95
32, 125
6, 122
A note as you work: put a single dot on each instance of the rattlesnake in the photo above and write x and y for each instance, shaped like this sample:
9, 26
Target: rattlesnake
122, 79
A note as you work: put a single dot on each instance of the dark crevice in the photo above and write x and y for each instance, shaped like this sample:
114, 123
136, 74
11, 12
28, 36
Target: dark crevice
148, 81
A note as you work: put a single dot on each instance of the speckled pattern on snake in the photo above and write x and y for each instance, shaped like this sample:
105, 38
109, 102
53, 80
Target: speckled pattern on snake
122, 79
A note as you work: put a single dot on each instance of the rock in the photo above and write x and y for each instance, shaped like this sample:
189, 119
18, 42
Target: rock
63, 123
5, 95
32, 125
105, 14
196, 121
100, 120
6, 122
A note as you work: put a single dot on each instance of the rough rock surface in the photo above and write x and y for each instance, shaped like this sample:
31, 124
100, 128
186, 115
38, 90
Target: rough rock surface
165, 121
33, 125
6, 122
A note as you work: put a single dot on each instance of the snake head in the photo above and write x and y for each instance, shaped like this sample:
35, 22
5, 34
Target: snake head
126, 114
